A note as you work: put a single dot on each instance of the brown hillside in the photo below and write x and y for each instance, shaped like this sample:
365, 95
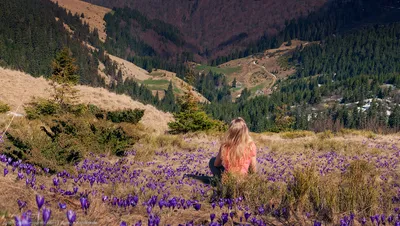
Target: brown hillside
93, 14
213, 23
19, 88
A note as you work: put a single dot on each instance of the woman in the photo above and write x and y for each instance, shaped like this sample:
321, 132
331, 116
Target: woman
237, 153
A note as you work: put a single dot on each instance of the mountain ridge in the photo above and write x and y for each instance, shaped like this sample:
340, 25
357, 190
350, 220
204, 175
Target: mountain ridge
207, 25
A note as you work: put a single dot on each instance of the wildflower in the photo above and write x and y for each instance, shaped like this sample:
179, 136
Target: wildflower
62, 205
224, 218
71, 216
39, 201
197, 206
24, 220
46, 215
21, 204
247, 215
212, 217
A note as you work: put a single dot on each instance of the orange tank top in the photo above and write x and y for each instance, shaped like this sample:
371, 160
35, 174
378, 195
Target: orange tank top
243, 168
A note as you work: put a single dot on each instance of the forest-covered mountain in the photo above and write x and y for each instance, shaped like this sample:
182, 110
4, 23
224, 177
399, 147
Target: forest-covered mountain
347, 77
33, 32
213, 27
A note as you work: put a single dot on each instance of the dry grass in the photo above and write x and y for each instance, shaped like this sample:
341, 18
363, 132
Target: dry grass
130, 70
93, 14
19, 88
325, 196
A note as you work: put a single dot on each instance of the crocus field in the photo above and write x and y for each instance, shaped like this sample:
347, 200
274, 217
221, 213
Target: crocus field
344, 180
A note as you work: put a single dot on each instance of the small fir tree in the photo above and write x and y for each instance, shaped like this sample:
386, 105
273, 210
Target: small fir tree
191, 117
64, 77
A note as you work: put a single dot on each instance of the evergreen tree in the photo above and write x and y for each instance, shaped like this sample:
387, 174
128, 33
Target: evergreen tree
234, 83
64, 77
191, 117
168, 102
394, 118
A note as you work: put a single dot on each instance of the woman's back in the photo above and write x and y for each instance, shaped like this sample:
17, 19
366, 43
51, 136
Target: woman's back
237, 152
243, 164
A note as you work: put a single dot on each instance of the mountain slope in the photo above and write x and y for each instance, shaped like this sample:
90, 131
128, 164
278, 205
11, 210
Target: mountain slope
91, 14
213, 27
19, 88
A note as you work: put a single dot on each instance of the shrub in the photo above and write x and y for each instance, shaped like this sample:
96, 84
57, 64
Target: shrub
42, 107
327, 134
296, 134
64, 139
128, 115
4, 107
78, 109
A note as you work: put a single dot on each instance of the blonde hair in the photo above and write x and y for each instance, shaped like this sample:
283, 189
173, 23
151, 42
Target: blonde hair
236, 144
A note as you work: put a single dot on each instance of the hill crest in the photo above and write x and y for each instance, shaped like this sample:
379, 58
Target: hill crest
19, 88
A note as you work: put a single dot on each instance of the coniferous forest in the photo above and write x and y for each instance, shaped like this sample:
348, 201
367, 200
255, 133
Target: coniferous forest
353, 62
40, 29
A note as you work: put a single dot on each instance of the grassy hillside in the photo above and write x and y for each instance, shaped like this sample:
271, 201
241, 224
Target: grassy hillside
20, 88
91, 14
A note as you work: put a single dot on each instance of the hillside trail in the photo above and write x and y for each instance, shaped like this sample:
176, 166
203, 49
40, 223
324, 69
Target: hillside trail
274, 78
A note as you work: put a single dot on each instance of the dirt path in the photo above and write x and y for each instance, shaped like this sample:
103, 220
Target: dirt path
269, 73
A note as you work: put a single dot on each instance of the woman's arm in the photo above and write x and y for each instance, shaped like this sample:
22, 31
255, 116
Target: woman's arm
253, 162
218, 160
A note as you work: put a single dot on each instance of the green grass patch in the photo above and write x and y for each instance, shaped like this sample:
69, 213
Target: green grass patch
177, 90
235, 89
156, 74
225, 70
155, 82
255, 88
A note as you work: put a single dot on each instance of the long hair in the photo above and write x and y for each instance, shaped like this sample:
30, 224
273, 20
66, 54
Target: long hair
236, 144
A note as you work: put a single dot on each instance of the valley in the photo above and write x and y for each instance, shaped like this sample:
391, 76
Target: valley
258, 72
200, 112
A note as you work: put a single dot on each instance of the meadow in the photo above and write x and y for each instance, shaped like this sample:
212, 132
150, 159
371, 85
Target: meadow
303, 178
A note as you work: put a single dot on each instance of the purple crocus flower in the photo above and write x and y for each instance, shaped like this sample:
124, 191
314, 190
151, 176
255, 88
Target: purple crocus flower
123, 223
247, 215
21, 204
25, 220
62, 205
261, 210
197, 206
46, 215
56, 181
212, 217
84, 204
71, 216
363, 221
316, 223
224, 218
390, 218
39, 201
5, 171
